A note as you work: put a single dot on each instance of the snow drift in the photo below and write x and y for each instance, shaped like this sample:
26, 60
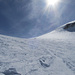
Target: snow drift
49, 54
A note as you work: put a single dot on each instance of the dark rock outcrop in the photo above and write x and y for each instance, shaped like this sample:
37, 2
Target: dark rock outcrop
70, 27
11, 71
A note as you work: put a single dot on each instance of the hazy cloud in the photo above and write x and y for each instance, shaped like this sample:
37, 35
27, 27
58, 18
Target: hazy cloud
28, 18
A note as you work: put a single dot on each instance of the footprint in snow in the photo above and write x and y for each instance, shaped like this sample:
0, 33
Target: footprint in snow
46, 61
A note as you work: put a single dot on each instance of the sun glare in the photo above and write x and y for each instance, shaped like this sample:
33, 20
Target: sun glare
51, 6
51, 2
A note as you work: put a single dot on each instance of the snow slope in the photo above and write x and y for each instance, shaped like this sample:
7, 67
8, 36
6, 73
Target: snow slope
49, 54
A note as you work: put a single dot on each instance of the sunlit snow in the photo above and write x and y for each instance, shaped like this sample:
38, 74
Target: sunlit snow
49, 54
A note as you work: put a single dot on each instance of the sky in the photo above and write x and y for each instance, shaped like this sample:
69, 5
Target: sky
32, 18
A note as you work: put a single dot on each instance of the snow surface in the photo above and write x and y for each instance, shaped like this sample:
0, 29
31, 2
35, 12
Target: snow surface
49, 54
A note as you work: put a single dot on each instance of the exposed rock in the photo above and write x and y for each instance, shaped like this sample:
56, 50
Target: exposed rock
70, 25
11, 71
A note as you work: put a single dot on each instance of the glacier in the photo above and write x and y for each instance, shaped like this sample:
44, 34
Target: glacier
50, 54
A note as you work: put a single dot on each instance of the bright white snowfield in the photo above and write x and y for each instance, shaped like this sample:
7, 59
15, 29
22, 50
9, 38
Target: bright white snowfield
50, 54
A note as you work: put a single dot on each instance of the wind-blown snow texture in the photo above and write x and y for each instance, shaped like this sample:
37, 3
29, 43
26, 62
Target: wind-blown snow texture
50, 54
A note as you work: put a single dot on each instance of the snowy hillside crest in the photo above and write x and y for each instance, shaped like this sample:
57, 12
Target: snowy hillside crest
49, 54
70, 27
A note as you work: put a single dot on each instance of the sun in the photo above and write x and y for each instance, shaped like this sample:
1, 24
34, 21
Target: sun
51, 5
51, 2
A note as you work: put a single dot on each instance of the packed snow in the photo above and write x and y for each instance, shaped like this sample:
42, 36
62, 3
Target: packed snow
49, 54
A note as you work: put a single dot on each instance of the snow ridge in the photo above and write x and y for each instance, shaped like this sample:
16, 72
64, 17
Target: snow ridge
50, 54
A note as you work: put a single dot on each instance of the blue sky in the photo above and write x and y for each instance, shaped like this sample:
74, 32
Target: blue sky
28, 18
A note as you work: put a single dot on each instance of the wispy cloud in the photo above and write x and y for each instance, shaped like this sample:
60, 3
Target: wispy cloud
26, 18
53, 18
